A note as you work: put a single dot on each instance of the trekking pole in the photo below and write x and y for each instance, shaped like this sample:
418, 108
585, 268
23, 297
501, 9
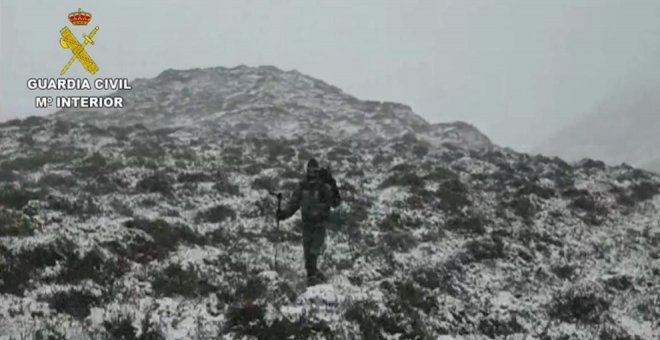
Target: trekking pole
277, 226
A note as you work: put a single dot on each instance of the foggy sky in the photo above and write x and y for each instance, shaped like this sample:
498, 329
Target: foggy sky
518, 70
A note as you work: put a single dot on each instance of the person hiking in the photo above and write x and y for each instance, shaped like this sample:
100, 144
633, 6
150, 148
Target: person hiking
314, 196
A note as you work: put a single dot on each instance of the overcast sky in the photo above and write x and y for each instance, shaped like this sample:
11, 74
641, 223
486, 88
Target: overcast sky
518, 70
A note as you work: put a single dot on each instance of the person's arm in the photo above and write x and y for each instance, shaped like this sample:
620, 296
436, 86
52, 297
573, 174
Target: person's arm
336, 199
292, 205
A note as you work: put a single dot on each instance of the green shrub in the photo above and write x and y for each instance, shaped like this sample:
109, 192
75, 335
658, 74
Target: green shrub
39, 159
484, 248
194, 177
523, 207
76, 303
619, 283
17, 198
82, 206
590, 164
94, 266
365, 315
467, 225
62, 127
593, 212
349, 220
26, 141
8, 175
253, 169
453, 195
648, 307
428, 277
586, 203
158, 182
359, 212
143, 162
622, 197
631, 174
615, 332
94, 130
584, 302
253, 290
644, 190
273, 235
402, 168
232, 155
289, 186
400, 240
217, 214
264, 183
15, 274
121, 207
18, 268
14, 224
533, 188
338, 153
226, 187
420, 150
242, 318
412, 297
290, 173
572, 192
145, 149
529, 236
564, 271
411, 180
56, 181
97, 164
249, 320
165, 238
441, 174
121, 327
392, 221
276, 149
563, 178
497, 326
175, 280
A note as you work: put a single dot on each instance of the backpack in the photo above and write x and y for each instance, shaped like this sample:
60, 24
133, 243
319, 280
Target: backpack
317, 196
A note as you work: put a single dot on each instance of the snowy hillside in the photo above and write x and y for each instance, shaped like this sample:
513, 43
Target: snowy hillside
113, 230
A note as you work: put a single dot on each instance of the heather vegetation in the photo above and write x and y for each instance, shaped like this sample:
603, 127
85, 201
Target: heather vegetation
160, 233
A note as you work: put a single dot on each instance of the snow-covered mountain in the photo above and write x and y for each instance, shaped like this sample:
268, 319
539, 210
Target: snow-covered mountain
266, 100
159, 224
625, 128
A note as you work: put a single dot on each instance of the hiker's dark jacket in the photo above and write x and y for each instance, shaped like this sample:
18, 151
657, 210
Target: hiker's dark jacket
314, 197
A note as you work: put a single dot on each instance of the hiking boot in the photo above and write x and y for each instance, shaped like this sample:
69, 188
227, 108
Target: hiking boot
315, 279
320, 277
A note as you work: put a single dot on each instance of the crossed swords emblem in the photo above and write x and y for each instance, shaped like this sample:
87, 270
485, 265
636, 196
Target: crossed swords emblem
68, 40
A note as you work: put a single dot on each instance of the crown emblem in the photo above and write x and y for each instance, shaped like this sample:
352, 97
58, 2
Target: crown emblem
80, 18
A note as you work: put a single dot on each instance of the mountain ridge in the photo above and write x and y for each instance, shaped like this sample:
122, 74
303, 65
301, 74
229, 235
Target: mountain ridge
265, 99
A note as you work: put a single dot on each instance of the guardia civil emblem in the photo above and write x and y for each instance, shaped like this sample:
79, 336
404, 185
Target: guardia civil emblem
68, 41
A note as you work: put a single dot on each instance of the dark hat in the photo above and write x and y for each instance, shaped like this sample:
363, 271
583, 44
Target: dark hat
312, 168
312, 163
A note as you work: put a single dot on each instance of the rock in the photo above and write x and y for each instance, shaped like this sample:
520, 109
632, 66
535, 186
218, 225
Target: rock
323, 294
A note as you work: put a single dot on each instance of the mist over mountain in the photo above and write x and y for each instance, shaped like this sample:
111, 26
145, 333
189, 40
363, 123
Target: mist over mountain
267, 101
155, 222
625, 127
